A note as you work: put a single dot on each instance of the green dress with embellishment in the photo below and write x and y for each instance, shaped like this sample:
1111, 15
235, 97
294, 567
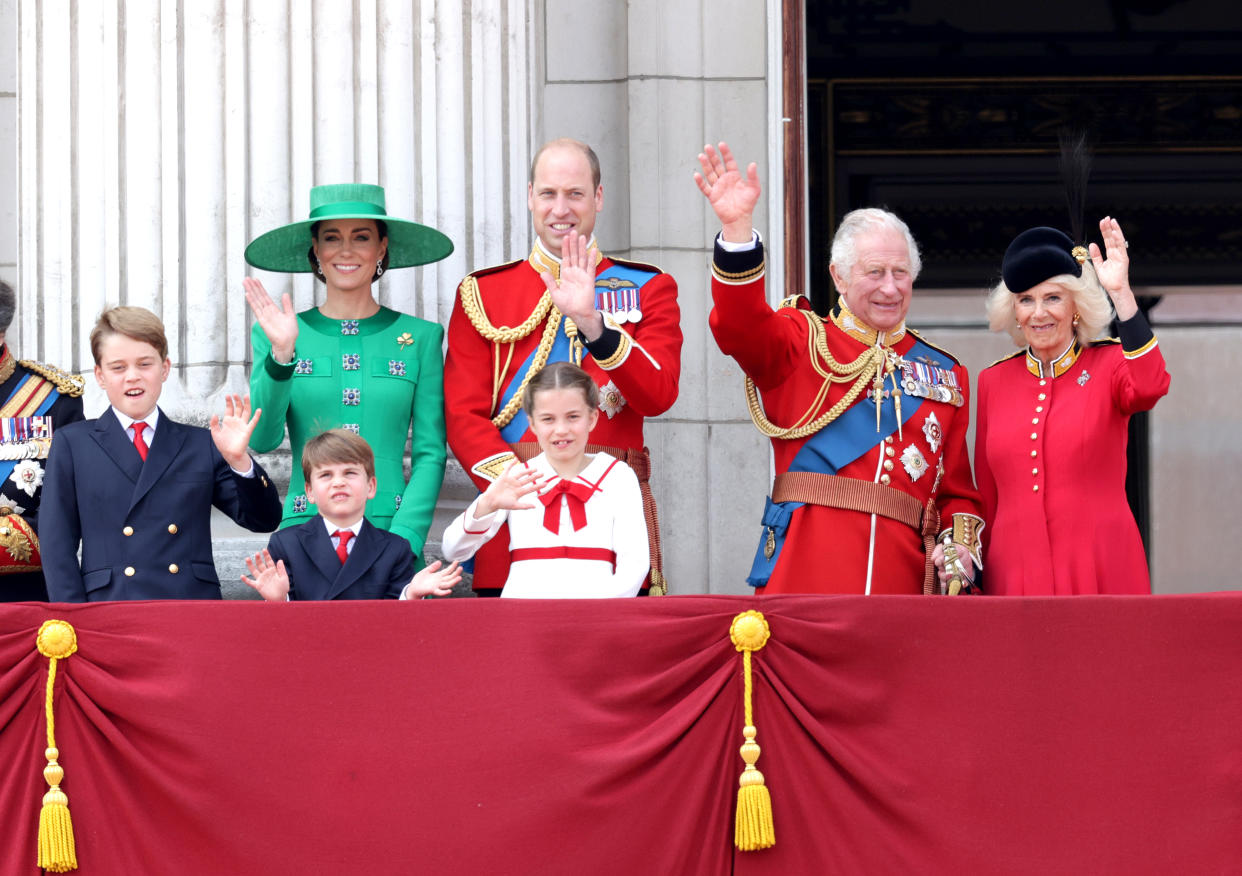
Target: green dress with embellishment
378, 376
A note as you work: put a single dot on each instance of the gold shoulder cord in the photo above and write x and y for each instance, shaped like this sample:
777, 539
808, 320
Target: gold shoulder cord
860, 371
473, 307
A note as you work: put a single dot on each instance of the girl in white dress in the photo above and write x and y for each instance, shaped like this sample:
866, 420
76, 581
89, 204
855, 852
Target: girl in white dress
576, 525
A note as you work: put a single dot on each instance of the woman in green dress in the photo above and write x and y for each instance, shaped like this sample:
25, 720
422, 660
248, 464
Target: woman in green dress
350, 362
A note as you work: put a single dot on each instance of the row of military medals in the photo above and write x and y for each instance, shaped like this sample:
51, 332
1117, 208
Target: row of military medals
25, 437
619, 299
922, 380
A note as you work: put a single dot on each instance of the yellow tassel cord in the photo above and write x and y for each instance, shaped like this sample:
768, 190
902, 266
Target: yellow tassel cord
56, 641
753, 829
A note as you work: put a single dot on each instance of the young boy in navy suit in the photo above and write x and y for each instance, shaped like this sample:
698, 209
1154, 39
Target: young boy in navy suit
338, 554
135, 488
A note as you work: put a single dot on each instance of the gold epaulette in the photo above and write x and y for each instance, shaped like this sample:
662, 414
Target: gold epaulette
792, 301
66, 383
938, 349
1010, 356
1104, 342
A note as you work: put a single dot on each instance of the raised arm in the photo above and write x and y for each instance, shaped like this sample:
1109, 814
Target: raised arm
731, 195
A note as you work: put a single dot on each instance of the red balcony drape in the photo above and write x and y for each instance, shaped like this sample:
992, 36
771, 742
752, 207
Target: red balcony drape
899, 735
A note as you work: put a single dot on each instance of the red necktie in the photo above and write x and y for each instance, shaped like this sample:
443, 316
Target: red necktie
139, 444
575, 494
342, 546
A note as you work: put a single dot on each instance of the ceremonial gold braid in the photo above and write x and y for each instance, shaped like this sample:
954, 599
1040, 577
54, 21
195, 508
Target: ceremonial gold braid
541, 358
860, 371
472, 304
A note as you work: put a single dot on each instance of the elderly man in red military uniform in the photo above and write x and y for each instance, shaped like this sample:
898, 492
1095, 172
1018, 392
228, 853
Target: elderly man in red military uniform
567, 301
867, 420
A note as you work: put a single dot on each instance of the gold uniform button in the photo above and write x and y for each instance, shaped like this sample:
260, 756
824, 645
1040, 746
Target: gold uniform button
1039, 409
1034, 421
129, 571
884, 479
888, 451
129, 530
1043, 383
1034, 471
1035, 488
1034, 436
172, 567
172, 528
888, 440
888, 465
1042, 396
1034, 453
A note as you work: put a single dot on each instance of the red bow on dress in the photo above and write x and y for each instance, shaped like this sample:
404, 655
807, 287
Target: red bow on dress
576, 494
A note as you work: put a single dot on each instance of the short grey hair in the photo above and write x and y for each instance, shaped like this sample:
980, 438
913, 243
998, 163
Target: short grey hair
8, 306
1091, 303
844, 251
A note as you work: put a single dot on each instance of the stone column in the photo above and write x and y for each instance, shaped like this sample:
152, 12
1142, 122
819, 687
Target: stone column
158, 137
648, 84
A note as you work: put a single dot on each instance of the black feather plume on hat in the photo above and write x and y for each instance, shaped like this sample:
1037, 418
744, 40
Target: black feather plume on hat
1076, 155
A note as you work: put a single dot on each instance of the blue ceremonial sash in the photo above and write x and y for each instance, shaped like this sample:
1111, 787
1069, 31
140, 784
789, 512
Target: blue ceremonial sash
516, 428
513, 431
7, 465
828, 451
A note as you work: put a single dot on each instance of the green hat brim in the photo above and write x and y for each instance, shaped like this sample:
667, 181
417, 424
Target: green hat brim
409, 244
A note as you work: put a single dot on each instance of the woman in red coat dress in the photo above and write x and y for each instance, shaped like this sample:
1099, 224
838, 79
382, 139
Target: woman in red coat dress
1050, 442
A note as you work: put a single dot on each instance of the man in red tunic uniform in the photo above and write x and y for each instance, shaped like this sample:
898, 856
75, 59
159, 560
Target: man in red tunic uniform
619, 320
867, 420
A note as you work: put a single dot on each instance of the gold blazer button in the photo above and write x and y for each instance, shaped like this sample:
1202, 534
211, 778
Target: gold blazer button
172, 567
129, 530
172, 528
129, 571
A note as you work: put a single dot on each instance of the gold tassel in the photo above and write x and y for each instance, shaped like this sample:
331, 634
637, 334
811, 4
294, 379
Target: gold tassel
753, 827
56, 641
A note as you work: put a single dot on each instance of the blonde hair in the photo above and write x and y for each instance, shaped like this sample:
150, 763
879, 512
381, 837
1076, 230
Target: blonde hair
1090, 301
137, 323
334, 447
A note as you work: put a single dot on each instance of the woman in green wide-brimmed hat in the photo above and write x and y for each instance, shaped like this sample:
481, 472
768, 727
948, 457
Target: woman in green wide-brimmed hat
351, 363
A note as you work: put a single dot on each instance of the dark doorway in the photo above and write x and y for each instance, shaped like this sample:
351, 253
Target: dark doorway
948, 113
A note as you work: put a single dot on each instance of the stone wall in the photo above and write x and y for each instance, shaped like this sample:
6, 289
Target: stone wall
143, 144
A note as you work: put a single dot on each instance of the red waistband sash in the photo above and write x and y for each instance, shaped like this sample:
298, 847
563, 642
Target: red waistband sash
564, 552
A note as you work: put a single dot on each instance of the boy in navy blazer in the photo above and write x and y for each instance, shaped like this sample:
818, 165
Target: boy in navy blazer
339, 554
135, 488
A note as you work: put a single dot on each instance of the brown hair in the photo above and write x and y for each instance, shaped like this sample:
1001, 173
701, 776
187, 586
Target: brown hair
560, 375
137, 323
334, 447
591, 157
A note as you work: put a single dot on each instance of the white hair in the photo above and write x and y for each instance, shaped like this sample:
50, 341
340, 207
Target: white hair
1090, 302
844, 252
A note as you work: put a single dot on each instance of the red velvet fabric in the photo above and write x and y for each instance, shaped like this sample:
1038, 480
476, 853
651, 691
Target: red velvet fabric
899, 734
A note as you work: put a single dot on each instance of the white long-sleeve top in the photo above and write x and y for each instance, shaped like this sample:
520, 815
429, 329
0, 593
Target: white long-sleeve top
614, 522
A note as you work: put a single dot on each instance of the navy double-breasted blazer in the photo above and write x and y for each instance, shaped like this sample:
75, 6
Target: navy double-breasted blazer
379, 565
144, 527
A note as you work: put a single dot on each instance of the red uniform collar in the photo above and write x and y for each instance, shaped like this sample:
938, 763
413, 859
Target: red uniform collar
1060, 364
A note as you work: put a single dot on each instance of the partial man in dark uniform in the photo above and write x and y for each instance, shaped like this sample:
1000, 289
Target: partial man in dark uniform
619, 320
34, 399
867, 419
